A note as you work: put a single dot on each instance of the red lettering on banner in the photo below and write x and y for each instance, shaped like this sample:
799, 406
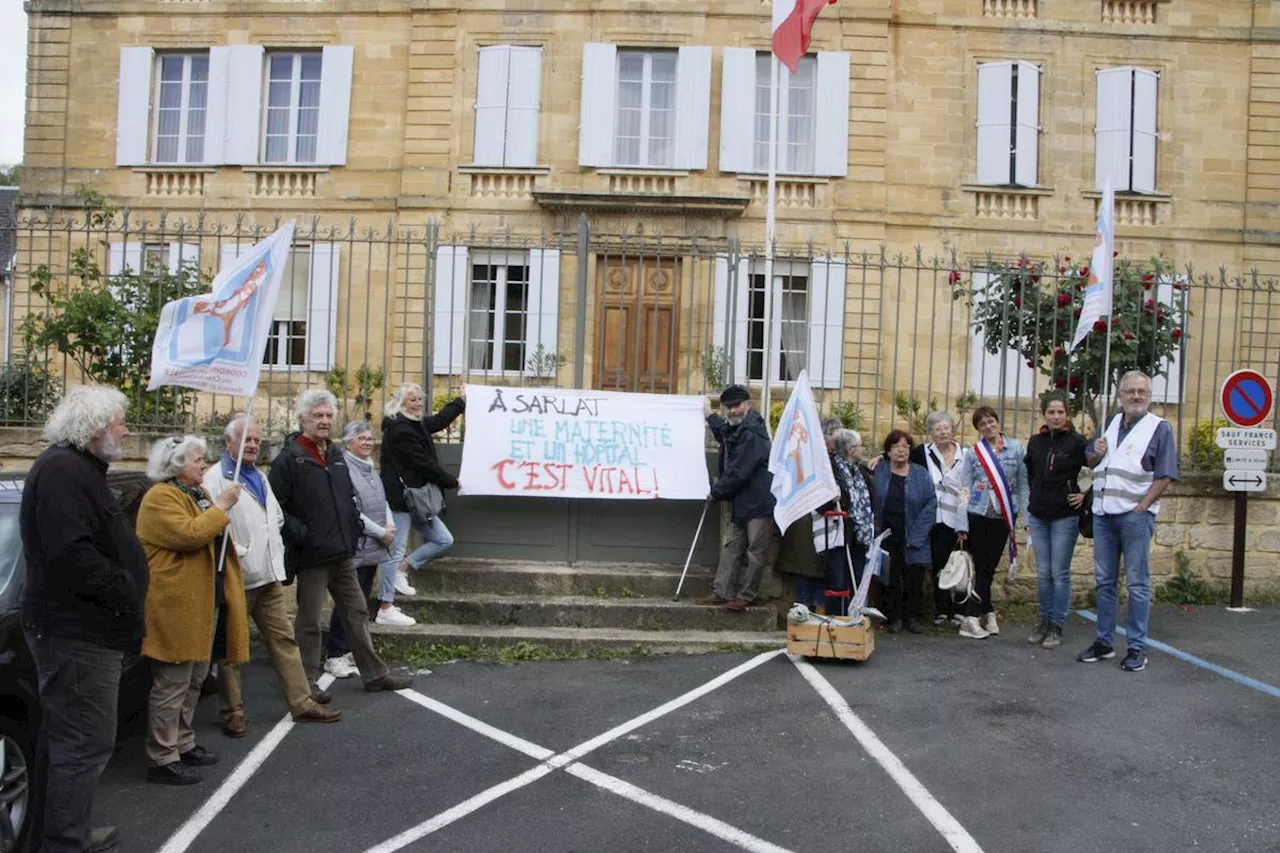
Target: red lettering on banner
501, 469
624, 482
591, 475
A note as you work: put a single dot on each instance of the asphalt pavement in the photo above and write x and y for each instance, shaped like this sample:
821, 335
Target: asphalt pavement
1021, 748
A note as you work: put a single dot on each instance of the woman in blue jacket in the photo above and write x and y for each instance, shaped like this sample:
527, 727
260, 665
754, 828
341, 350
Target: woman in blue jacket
906, 504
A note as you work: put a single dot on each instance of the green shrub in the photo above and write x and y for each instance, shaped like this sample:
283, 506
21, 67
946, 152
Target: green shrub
28, 391
1206, 455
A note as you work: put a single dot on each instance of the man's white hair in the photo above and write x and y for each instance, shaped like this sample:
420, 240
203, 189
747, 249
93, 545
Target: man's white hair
1133, 374
168, 455
396, 403
84, 414
235, 429
314, 397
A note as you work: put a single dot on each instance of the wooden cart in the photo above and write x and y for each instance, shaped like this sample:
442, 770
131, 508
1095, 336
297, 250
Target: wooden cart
824, 640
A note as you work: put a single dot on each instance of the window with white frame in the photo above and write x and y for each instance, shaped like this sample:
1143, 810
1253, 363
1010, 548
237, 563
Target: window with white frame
181, 105
499, 312
508, 90
645, 131
287, 340
1125, 133
789, 345
292, 127
796, 124
1008, 124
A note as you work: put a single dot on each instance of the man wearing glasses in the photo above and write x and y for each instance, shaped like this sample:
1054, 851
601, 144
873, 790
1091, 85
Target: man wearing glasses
1134, 461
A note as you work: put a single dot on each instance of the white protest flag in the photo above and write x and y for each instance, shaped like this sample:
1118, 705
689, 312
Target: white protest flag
801, 469
1097, 294
215, 342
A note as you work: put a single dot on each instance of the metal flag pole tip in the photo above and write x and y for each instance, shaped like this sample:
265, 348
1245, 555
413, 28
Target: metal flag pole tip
692, 548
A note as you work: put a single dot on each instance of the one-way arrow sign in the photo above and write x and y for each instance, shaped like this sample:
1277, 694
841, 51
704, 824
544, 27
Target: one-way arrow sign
1244, 481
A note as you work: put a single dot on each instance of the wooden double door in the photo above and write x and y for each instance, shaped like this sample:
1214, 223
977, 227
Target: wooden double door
637, 323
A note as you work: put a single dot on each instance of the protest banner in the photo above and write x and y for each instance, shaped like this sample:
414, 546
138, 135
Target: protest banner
546, 442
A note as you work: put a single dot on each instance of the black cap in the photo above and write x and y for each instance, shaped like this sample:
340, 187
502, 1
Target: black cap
734, 394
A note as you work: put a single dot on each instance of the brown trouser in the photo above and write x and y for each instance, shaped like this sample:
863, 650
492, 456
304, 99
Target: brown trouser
753, 541
339, 578
175, 690
268, 607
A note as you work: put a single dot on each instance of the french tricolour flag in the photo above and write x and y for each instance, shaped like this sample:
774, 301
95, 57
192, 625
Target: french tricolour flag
793, 27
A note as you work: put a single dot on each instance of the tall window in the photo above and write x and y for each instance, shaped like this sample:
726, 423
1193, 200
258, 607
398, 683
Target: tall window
1008, 124
499, 313
1125, 133
796, 124
790, 342
646, 114
287, 342
181, 98
293, 107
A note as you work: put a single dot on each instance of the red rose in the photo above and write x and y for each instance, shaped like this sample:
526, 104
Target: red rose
1062, 269
1084, 271
1074, 382
1066, 260
1059, 383
1127, 335
1177, 334
1059, 352
954, 278
1148, 277
1076, 313
1150, 303
1064, 299
1017, 302
1115, 254
1035, 279
1100, 326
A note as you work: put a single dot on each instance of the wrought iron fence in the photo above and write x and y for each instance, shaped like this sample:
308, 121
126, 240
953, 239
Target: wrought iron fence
886, 337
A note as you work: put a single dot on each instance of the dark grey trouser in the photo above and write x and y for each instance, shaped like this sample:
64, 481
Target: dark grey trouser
79, 684
751, 540
339, 579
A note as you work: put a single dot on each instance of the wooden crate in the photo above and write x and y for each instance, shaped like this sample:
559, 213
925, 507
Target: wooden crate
813, 639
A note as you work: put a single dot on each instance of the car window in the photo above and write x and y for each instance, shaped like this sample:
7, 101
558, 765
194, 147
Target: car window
10, 556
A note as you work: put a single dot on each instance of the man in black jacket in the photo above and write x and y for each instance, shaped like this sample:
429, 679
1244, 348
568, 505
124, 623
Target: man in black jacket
745, 480
321, 530
81, 610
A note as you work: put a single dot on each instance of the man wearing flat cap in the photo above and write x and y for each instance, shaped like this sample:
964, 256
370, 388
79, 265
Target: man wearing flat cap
745, 480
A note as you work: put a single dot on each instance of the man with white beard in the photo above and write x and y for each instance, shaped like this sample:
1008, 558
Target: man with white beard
82, 610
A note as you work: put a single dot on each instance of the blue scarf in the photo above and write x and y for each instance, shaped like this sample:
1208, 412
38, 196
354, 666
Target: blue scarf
249, 475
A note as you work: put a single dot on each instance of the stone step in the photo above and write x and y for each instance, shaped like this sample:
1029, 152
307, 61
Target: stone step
603, 580
402, 642
542, 611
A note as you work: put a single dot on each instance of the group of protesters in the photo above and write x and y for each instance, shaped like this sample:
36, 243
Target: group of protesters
213, 547
938, 496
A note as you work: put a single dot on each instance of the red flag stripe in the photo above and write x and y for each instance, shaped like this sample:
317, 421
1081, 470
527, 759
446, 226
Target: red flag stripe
791, 37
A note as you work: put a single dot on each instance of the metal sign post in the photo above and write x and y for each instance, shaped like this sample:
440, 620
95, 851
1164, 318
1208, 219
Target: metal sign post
1246, 400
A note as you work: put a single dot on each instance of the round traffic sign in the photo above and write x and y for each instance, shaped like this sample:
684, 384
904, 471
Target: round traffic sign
1246, 398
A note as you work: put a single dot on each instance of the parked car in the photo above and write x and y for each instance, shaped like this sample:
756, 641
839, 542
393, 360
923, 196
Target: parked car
19, 698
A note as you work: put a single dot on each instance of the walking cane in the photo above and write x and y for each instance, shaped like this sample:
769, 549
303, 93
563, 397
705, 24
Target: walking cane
692, 547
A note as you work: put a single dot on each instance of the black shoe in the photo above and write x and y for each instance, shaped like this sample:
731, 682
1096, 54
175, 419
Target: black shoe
176, 773
198, 756
914, 626
390, 681
321, 697
1135, 660
895, 627
1095, 653
102, 839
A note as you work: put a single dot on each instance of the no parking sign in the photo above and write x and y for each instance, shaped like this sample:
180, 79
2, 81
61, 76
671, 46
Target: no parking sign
1246, 398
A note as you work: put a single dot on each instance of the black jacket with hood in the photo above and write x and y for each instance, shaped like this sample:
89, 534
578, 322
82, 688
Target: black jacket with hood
744, 466
1054, 459
321, 516
408, 456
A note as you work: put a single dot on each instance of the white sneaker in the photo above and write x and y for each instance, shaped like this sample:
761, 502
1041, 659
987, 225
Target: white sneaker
342, 667
392, 616
972, 629
402, 584
989, 624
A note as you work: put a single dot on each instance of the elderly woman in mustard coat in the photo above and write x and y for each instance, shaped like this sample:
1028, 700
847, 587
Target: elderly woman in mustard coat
194, 612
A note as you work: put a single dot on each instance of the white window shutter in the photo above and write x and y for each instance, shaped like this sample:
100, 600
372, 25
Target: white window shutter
183, 255
491, 105
335, 105
322, 306
720, 305
1168, 388
244, 101
827, 281
449, 326
831, 115
1145, 88
693, 107
995, 122
215, 117
542, 323
1027, 147
524, 96
599, 94
1113, 131
987, 370
122, 257
740, 299
133, 106
737, 109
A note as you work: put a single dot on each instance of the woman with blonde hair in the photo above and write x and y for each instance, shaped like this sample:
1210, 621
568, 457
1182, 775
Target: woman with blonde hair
409, 461
195, 608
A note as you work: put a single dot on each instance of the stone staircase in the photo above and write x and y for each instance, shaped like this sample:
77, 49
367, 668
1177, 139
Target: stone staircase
583, 608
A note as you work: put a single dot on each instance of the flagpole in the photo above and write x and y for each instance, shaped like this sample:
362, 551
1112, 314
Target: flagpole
770, 237
235, 476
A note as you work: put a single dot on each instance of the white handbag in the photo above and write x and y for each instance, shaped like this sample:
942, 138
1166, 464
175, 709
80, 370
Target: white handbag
957, 574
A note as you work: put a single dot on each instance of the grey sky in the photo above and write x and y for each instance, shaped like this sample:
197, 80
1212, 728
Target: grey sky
13, 79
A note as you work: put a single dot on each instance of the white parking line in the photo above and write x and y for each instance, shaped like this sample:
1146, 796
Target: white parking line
250, 764
955, 834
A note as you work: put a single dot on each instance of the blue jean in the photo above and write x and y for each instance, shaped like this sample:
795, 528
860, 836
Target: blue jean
1128, 534
438, 540
1054, 541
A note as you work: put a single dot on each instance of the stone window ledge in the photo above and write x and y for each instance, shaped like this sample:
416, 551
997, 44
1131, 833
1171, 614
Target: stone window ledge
1140, 209
504, 170
285, 180
643, 172
763, 178
995, 202
507, 182
174, 181
285, 167
986, 188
